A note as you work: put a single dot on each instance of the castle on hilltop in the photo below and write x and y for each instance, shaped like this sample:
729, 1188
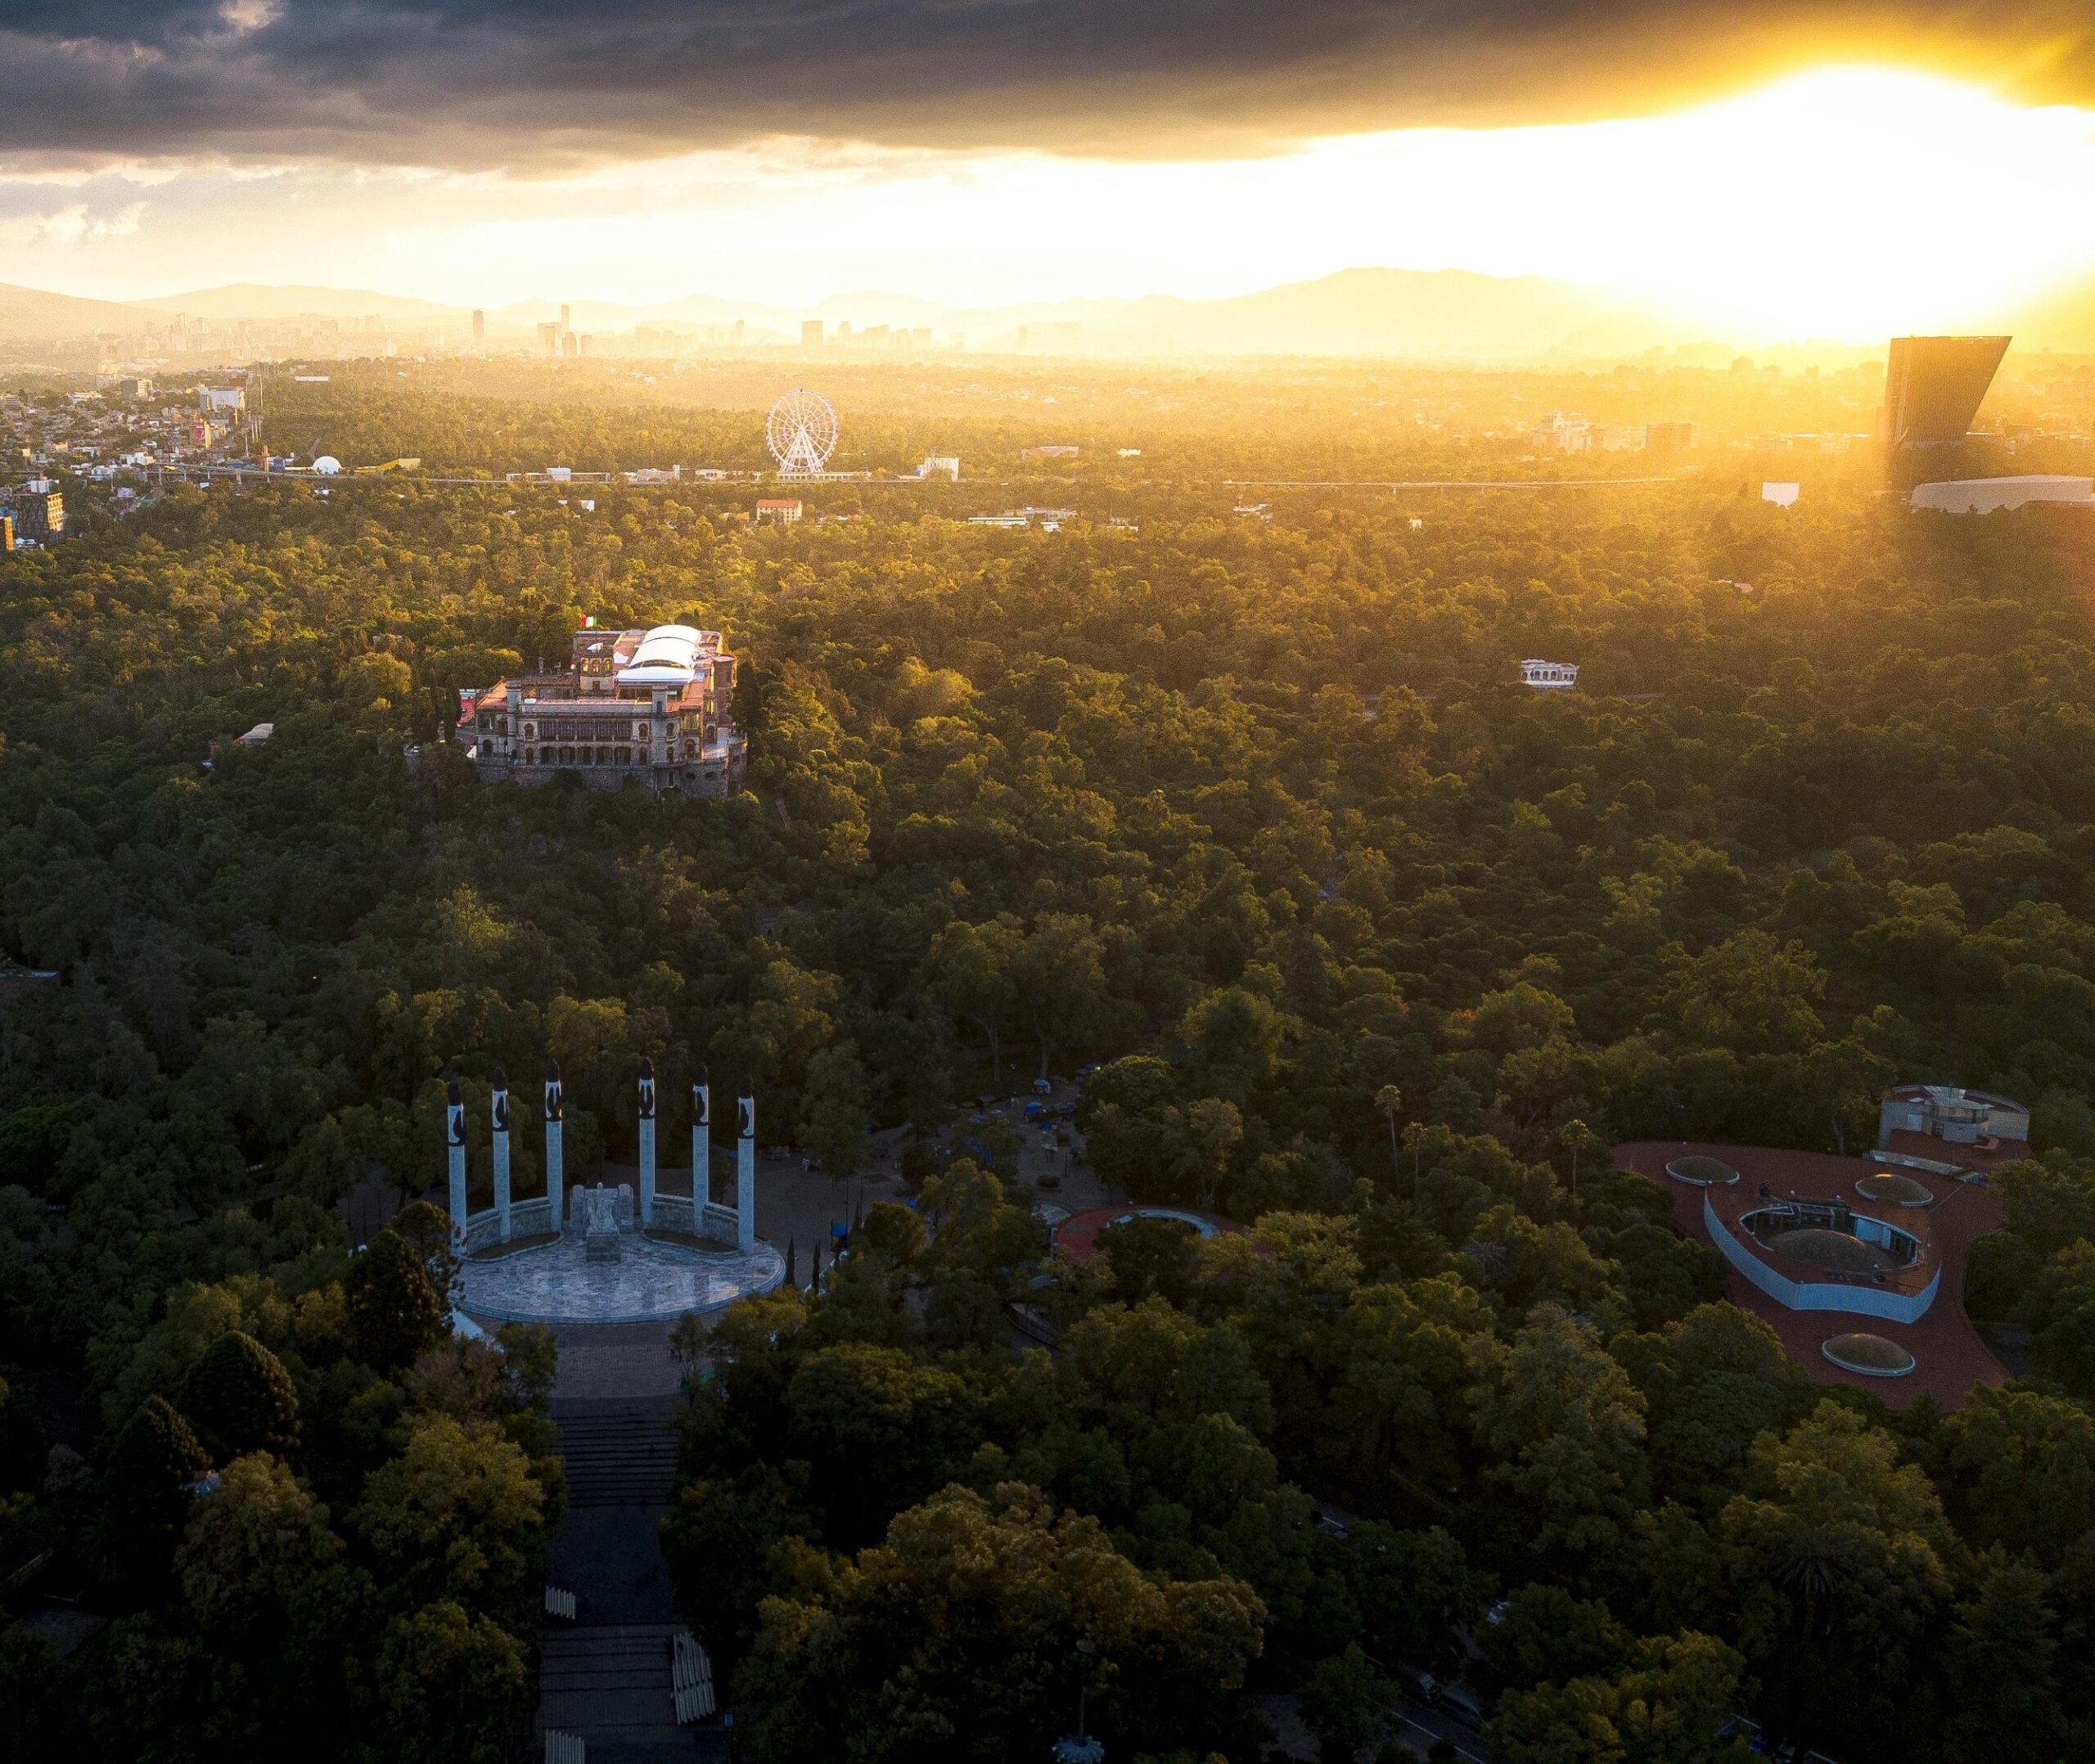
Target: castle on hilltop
654, 705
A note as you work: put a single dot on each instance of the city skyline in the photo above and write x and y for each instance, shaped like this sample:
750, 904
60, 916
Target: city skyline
1843, 202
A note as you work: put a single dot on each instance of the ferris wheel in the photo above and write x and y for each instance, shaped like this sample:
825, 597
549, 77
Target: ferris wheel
801, 432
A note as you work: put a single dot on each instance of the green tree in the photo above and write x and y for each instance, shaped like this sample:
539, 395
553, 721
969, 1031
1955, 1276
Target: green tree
974, 1227
144, 1502
721, 1538
1342, 1704
1146, 1256
1545, 1635
1565, 1428
1415, 1592
1666, 1706
879, 1430
1753, 993
958, 1635
1713, 1382
1838, 1558
453, 1685
2059, 1307
2022, 1465
833, 1117
1389, 1102
458, 1516
1232, 1040
395, 1313
240, 1399
252, 1550
1058, 982
2003, 1701
970, 972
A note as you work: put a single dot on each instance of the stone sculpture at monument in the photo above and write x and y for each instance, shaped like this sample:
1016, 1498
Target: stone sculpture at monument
601, 1236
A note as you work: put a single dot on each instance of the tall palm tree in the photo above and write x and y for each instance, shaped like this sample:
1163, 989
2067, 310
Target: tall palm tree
1391, 1101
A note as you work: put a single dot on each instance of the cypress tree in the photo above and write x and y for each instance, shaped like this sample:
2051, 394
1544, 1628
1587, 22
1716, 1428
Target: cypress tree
240, 1399
395, 1311
144, 1506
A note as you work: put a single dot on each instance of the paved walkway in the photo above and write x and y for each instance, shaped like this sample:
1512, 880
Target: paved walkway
628, 1360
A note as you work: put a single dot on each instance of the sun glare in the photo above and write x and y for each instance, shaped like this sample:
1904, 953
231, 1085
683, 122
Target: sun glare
1841, 203
1845, 203
1850, 201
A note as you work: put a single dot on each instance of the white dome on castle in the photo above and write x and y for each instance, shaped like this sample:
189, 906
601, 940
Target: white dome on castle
667, 656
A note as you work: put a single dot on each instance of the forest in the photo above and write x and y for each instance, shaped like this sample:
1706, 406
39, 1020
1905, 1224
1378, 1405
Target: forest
1371, 947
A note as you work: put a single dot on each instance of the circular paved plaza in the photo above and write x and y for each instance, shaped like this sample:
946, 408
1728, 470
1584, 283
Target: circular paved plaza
653, 1280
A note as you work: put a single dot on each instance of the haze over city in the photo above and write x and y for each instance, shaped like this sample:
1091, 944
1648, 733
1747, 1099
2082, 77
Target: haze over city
1820, 173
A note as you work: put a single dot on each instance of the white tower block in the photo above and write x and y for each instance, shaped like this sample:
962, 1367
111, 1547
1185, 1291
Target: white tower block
746, 1175
455, 1141
554, 1171
646, 1142
498, 1098
701, 1151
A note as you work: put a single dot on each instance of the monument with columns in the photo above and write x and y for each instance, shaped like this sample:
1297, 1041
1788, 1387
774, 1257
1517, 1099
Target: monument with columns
599, 1253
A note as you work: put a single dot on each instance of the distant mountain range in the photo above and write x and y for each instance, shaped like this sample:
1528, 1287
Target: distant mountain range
31, 312
262, 300
1356, 312
1454, 315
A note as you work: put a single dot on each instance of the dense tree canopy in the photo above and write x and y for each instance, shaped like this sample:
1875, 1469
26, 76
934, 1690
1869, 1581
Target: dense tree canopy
1369, 943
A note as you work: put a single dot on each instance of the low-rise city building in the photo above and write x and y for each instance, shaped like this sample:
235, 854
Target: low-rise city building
1976, 1122
1983, 495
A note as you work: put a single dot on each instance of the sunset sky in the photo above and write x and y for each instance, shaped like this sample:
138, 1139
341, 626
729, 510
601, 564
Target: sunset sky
1820, 170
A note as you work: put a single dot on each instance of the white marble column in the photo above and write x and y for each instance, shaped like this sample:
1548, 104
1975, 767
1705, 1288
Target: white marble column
701, 1151
647, 1143
455, 1141
745, 1175
498, 1101
554, 1171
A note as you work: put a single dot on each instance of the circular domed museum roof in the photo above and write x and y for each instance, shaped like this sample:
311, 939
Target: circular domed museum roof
1872, 1356
1699, 1171
1889, 1188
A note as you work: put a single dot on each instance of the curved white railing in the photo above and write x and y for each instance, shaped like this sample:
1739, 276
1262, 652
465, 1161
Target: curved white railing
1820, 1295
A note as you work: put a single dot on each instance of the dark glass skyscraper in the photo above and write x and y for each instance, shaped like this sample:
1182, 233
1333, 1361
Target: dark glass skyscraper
1933, 387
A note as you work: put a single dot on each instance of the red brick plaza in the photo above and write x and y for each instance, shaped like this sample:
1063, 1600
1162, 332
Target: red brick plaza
1951, 1356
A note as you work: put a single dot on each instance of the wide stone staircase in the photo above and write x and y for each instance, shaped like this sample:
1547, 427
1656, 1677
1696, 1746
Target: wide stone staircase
618, 1452
606, 1676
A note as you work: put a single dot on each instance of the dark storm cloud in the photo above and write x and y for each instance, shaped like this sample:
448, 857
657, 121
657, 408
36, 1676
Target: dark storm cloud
542, 81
